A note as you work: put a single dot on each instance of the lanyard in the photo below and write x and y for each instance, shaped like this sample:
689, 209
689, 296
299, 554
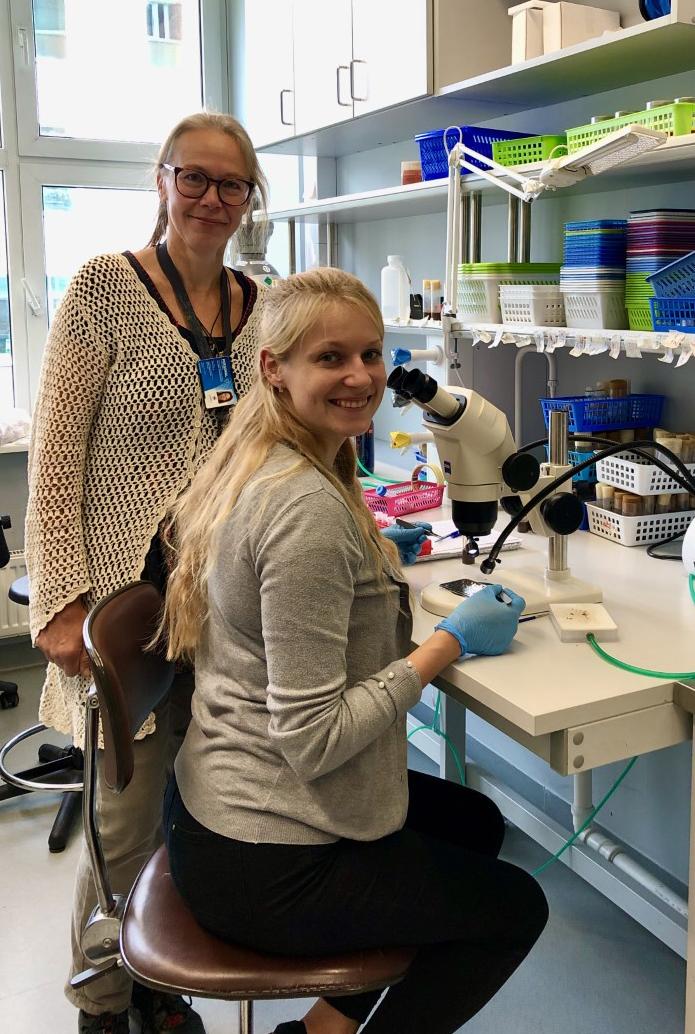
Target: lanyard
199, 332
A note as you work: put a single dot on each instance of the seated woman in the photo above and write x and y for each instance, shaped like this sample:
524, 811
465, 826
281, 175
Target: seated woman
293, 825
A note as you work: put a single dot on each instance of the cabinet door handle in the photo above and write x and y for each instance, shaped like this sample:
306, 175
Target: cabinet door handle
284, 121
339, 69
356, 96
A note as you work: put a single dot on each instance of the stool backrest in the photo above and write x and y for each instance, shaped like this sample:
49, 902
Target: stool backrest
130, 679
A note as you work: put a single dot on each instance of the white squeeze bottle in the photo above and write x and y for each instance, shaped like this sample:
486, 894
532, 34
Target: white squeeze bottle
395, 290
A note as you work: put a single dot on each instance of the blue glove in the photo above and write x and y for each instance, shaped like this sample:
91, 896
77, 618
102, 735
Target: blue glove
408, 540
483, 624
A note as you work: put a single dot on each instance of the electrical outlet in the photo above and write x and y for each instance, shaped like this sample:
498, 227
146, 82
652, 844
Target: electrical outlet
574, 621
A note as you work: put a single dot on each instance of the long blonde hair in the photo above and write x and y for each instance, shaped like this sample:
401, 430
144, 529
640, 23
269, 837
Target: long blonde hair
261, 420
258, 201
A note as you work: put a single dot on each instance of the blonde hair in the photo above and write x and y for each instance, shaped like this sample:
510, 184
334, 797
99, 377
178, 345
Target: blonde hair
258, 200
261, 420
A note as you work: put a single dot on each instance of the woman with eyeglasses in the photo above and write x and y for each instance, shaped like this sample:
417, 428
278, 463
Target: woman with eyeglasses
146, 357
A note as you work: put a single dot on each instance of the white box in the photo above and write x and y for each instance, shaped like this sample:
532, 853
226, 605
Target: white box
565, 24
527, 30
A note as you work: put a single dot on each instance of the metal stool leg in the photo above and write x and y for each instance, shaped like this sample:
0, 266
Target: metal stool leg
245, 1017
69, 810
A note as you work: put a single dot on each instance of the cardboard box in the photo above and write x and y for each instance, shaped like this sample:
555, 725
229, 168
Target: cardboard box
565, 24
528, 30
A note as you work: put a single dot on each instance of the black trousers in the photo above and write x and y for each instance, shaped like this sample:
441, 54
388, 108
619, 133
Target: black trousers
437, 883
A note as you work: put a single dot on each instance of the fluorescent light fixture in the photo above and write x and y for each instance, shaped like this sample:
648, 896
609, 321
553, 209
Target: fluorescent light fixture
613, 149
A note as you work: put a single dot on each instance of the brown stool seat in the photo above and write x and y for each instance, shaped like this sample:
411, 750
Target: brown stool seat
163, 946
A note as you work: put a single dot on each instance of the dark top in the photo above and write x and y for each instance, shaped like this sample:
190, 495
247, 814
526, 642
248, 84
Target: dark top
155, 569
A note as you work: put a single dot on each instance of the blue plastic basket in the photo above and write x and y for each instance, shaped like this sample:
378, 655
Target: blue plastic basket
574, 457
677, 280
606, 414
673, 313
433, 156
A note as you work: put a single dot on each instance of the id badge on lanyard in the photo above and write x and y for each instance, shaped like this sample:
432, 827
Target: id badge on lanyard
215, 371
217, 382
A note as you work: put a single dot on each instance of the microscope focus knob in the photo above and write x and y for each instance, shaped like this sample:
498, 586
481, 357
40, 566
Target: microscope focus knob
521, 471
563, 513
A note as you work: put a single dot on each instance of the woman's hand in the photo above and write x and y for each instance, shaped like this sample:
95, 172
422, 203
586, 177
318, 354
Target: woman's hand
408, 540
61, 640
483, 624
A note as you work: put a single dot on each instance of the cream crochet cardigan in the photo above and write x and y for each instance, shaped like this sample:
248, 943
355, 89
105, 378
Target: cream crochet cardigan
119, 430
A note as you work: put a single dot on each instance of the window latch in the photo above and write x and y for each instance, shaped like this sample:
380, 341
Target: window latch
33, 302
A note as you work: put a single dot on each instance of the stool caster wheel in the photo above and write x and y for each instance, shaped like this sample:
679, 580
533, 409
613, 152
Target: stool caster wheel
9, 698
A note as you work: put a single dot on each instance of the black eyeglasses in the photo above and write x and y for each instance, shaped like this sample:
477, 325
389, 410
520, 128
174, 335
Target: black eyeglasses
192, 183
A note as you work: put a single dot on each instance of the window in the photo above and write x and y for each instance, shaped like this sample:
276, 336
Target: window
49, 27
164, 20
83, 221
6, 378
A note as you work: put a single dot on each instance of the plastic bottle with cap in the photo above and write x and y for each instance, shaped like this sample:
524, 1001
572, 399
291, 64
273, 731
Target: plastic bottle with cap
395, 290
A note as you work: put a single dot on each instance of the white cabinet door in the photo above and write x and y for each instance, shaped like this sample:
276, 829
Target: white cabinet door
391, 48
322, 55
269, 78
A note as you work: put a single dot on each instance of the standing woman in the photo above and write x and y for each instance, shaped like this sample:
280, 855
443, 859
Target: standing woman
144, 362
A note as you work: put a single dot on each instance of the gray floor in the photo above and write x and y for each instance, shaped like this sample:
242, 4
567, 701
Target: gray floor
594, 969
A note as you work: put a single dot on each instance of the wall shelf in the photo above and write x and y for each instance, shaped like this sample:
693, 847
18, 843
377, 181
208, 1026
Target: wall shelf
660, 47
22, 445
674, 160
593, 342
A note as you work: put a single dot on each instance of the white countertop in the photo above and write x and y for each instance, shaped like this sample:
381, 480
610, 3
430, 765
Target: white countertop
543, 685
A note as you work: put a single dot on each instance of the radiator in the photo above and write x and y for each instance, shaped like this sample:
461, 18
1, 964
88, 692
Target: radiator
14, 619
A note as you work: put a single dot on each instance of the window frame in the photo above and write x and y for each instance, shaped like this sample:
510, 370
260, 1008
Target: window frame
215, 92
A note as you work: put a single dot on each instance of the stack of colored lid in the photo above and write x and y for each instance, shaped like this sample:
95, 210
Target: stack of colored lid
593, 275
594, 255
655, 238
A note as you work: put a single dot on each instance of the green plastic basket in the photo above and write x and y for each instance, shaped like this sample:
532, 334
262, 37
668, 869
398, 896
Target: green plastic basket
640, 317
674, 119
528, 149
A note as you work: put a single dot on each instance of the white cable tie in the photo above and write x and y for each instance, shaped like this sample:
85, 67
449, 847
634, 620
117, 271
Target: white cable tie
686, 352
561, 339
551, 343
632, 349
579, 347
540, 341
494, 342
524, 340
667, 357
647, 344
616, 345
508, 338
597, 346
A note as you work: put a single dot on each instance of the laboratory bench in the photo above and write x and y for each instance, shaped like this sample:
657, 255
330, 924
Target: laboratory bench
564, 703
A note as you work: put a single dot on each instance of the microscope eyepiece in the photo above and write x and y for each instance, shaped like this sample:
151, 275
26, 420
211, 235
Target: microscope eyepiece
422, 389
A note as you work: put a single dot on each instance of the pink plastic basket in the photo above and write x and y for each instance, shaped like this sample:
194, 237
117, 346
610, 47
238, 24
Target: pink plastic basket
407, 497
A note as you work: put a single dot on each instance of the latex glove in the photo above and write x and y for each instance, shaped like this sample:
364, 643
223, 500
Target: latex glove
482, 624
408, 540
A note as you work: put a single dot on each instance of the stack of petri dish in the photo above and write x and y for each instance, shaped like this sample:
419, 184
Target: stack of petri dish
655, 238
593, 274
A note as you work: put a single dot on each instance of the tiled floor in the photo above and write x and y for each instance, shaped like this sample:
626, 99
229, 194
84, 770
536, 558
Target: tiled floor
594, 969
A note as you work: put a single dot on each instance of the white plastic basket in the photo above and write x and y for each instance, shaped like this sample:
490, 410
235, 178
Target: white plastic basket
478, 297
629, 471
595, 310
535, 304
637, 531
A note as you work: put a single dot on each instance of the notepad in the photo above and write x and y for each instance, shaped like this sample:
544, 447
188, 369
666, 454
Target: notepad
444, 549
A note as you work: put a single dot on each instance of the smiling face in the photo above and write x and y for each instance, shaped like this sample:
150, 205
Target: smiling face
203, 223
335, 378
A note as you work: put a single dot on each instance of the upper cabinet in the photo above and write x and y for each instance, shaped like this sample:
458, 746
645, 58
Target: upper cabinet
322, 40
268, 77
317, 63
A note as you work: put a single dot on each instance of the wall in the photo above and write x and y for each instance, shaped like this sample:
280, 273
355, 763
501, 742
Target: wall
638, 815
